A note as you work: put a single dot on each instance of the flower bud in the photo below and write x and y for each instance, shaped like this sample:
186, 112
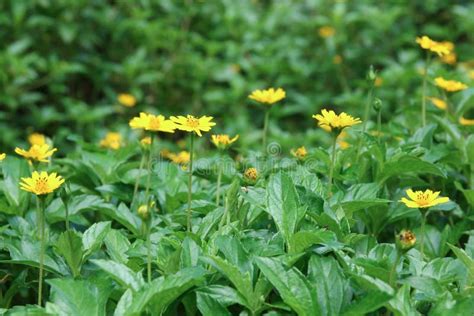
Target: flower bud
251, 175
406, 240
377, 104
371, 75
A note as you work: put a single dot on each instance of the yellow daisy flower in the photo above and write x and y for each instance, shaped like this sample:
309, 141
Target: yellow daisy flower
300, 153
450, 85
41, 183
37, 152
439, 103
465, 121
326, 31
154, 123
268, 96
190, 123
3, 156
127, 100
420, 199
112, 140
329, 120
181, 158
37, 139
440, 48
223, 141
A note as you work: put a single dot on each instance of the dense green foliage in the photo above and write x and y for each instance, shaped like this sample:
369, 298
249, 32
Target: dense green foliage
284, 244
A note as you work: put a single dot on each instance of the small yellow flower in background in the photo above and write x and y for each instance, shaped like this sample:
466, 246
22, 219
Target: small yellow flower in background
326, 31
37, 152
300, 153
112, 140
439, 103
450, 58
465, 121
337, 60
153, 123
223, 141
251, 175
440, 48
36, 139
329, 120
341, 140
181, 158
378, 81
420, 199
268, 96
127, 100
41, 183
471, 74
406, 240
191, 124
450, 85
145, 141
3, 156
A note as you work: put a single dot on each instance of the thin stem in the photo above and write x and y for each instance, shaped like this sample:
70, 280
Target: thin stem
422, 238
40, 205
265, 130
331, 167
367, 106
190, 182
148, 248
394, 269
423, 100
379, 124
148, 179
219, 178
135, 189
66, 208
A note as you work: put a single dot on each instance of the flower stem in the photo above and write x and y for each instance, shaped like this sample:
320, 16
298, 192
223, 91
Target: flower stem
41, 224
219, 179
149, 171
367, 107
379, 125
148, 248
423, 100
394, 269
265, 130
422, 239
331, 167
135, 188
190, 182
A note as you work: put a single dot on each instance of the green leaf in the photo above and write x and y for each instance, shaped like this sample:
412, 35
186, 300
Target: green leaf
331, 287
292, 285
94, 236
283, 204
467, 261
408, 165
302, 240
80, 297
13, 170
69, 245
159, 293
121, 273
241, 281
117, 246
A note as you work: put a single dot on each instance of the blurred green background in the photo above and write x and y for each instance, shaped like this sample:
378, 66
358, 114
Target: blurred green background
63, 62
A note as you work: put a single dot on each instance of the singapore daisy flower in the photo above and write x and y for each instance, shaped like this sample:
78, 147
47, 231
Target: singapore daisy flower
39, 153
193, 124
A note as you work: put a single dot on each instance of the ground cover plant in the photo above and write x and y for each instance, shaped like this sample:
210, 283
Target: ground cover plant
290, 162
